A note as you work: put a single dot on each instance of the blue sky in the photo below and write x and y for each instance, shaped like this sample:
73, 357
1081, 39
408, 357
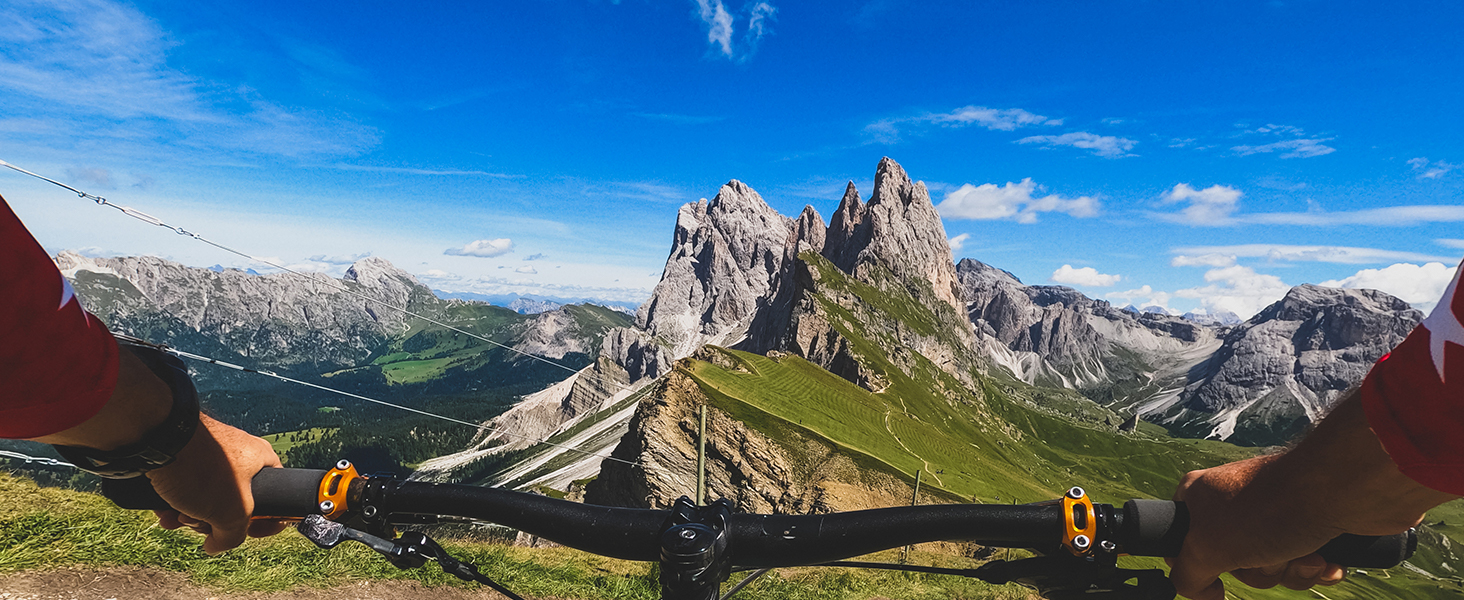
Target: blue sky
1187, 154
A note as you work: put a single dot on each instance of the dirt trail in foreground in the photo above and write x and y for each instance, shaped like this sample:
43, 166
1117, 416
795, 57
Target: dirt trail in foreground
153, 584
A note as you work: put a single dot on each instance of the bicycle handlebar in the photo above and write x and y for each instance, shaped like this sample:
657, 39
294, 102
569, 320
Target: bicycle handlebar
1140, 528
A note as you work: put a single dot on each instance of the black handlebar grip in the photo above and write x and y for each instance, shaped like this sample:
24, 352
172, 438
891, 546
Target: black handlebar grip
277, 492
1372, 552
287, 492
1154, 527
135, 493
1158, 527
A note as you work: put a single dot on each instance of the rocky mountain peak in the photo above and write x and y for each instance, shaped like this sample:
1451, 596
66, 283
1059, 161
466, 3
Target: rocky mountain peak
374, 271
726, 256
891, 182
1286, 365
1306, 301
808, 229
904, 234
980, 274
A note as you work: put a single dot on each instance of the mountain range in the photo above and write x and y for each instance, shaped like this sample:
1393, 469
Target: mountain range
873, 295
835, 360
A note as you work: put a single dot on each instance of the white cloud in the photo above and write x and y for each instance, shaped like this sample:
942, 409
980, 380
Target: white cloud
996, 119
95, 72
1430, 169
1421, 286
339, 259
1278, 129
1210, 206
758, 19
483, 248
1086, 276
536, 256
1106, 146
958, 242
527, 270
1217, 210
1304, 148
1142, 297
721, 27
1450, 243
1212, 259
1237, 289
1391, 216
1346, 255
95, 176
1011, 201
415, 171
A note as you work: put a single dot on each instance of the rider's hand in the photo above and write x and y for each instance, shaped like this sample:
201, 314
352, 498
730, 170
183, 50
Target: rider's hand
1263, 519
208, 486
1239, 526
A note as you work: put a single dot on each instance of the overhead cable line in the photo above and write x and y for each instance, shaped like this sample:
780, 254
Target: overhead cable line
267, 373
151, 220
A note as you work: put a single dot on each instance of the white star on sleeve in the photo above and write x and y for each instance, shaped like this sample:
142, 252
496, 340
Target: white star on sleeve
1443, 326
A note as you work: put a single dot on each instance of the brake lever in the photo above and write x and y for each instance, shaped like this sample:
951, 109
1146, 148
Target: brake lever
1066, 577
413, 549
328, 534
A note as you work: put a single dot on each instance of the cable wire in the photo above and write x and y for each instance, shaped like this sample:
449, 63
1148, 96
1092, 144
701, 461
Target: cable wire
267, 373
151, 220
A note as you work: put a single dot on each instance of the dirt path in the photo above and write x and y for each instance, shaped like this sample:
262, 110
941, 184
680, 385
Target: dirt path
127, 583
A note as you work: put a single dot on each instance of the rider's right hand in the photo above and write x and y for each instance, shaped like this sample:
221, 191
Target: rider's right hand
1262, 519
209, 486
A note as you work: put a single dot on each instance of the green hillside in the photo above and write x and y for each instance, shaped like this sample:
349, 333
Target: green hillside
984, 447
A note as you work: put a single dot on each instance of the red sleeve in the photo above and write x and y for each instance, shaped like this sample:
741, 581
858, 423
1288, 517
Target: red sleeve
58, 364
1414, 398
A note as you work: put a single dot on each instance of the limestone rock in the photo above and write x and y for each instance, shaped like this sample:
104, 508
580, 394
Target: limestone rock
1282, 368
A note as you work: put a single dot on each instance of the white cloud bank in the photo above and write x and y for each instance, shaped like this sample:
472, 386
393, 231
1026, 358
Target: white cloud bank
1011, 201
1142, 297
1303, 148
1427, 169
887, 131
1210, 206
1086, 276
721, 27
1106, 146
1213, 259
1421, 286
1237, 289
483, 248
958, 242
1346, 255
97, 71
1217, 206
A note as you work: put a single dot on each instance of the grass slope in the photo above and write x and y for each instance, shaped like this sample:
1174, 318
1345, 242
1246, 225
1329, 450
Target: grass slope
47, 528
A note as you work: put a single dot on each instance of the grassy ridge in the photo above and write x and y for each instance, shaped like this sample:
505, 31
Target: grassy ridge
44, 528
962, 454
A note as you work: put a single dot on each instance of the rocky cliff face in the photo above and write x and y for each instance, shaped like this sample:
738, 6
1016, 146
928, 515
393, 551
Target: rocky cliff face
872, 297
741, 275
307, 324
1057, 336
726, 258
281, 321
1279, 371
743, 465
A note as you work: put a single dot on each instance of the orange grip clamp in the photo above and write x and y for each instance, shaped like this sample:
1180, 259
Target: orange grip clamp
1080, 522
333, 487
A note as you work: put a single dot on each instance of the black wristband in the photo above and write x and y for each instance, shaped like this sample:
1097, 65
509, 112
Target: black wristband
160, 445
